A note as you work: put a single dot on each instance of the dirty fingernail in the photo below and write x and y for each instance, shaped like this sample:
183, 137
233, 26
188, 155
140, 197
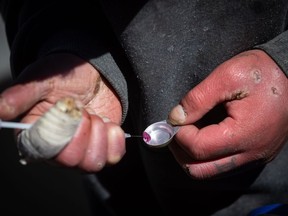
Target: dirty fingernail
177, 115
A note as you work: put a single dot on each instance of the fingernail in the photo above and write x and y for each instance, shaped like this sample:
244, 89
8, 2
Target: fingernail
5, 107
106, 119
113, 159
177, 115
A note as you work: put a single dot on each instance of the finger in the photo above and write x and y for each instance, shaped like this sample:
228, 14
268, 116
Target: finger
209, 169
20, 98
211, 142
116, 143
203, 169
96, 153
206, 95
73, 153
196, 103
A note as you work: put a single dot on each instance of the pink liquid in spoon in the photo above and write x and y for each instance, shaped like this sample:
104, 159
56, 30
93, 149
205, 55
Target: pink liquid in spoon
146, 137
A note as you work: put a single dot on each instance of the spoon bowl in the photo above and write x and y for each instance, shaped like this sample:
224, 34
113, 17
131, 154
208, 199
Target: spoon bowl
159, 134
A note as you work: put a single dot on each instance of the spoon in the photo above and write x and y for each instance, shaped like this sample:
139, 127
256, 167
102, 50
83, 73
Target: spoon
159, 134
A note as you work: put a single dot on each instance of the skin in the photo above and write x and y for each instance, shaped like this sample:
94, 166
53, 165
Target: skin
251, 86
99, 140
254, 92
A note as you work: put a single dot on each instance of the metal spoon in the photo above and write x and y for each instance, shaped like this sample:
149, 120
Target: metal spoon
159, 134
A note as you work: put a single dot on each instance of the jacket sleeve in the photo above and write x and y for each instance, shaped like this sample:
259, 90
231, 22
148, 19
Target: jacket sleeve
277, 48
37, 28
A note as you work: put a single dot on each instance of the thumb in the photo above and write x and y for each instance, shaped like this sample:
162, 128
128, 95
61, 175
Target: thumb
20, 98
205, 96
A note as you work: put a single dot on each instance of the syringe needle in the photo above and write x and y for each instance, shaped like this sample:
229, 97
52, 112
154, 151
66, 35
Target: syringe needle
6, 124
127, 135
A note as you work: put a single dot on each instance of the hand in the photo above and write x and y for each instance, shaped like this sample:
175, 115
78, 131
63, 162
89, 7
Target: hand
97, 142
254, 92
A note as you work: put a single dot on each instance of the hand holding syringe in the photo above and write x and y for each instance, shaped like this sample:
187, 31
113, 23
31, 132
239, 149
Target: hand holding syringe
35, 142
161, 139
17, 125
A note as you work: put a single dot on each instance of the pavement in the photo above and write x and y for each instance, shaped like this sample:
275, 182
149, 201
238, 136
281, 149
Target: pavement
38, 188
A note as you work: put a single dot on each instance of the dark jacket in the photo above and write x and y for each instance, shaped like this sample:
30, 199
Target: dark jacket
153, 52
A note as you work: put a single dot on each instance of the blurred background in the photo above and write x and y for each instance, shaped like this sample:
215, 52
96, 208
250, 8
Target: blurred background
35, 189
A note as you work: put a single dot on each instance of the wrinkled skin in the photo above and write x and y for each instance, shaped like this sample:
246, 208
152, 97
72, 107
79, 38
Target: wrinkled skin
99, 140
254, 92
252, 87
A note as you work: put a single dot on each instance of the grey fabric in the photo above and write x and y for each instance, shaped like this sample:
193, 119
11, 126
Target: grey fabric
161, 49
277, 49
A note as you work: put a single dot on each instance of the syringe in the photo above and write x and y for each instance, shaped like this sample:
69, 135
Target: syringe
18, 125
